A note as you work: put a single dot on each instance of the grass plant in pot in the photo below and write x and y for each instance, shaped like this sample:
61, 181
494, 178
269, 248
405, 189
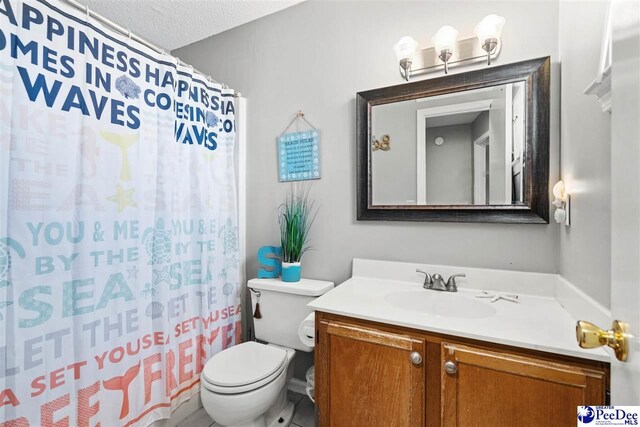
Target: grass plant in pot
296, 216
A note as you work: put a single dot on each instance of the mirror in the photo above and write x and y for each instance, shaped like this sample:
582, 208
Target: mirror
469, 147
463, 148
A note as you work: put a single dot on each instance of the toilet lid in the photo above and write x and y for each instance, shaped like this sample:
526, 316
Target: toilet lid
244, 364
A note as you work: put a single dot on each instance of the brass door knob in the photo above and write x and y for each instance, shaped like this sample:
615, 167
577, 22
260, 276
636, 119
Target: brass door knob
591, 336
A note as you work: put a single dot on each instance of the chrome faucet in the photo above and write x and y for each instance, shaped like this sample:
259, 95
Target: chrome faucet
437, 283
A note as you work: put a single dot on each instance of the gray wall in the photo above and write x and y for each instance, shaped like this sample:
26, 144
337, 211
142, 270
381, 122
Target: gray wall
585, 246
449, 166
315, 56
394, 171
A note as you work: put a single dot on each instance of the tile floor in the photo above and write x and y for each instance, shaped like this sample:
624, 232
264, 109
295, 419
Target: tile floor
304, 415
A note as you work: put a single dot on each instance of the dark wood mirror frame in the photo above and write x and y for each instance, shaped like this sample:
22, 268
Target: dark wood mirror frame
534, 210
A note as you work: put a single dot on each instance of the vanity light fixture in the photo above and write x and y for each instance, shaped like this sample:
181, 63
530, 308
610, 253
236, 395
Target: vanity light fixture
448, 50
488, 32
405, 49
445, 42
561, 203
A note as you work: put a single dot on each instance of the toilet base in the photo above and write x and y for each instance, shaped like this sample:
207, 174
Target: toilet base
285, 417
280, 413
272, 418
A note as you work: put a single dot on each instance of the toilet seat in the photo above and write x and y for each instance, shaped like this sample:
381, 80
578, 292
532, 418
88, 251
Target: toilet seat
243, 368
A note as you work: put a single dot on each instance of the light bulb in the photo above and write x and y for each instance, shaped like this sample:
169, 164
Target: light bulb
559, 190
444, 43
490, 28
488, 32
445, 39
405, 48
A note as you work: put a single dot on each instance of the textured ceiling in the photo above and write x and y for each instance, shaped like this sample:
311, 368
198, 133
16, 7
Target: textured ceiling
171, 24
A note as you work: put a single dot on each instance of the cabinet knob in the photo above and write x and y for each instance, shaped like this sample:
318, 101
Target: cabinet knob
415, 358
450, 367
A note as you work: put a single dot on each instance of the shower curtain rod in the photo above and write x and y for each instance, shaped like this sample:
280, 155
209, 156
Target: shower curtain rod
127, 32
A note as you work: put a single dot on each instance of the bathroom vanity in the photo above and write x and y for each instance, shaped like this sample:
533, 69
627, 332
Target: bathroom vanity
461, 361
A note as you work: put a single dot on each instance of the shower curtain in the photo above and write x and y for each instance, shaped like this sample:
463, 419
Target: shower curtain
119, 262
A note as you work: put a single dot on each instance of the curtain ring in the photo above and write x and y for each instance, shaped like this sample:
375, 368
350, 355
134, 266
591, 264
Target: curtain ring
209, 78
129, 33
86, 9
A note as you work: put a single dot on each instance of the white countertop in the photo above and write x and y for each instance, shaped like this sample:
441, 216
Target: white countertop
537, 322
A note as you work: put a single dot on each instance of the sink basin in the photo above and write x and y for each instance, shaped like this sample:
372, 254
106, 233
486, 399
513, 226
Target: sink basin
442, 304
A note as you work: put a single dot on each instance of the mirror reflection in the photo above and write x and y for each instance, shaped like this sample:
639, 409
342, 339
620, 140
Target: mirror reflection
463, 148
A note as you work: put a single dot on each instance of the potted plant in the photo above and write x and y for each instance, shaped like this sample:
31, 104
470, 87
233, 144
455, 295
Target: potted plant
296, 216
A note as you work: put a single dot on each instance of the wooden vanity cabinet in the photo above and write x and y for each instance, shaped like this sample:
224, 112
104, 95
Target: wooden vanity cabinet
368, 378
490, 388
367, 374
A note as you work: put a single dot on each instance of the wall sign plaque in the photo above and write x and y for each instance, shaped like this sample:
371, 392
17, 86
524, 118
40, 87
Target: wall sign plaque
299, 153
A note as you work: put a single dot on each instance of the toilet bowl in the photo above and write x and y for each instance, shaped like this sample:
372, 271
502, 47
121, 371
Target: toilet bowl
246, 385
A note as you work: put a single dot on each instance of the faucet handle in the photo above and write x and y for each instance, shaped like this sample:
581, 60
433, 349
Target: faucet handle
427, 278
451, 283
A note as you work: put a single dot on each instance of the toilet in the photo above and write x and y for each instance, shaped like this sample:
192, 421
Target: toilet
246, 385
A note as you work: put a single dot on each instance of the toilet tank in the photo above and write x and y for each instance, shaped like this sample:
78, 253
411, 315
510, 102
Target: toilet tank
283, 306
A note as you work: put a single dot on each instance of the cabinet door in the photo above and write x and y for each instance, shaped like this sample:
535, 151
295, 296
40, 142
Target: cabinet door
368, 377
497, 389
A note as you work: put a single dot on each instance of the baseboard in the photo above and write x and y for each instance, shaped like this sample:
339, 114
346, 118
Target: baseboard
297, 386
